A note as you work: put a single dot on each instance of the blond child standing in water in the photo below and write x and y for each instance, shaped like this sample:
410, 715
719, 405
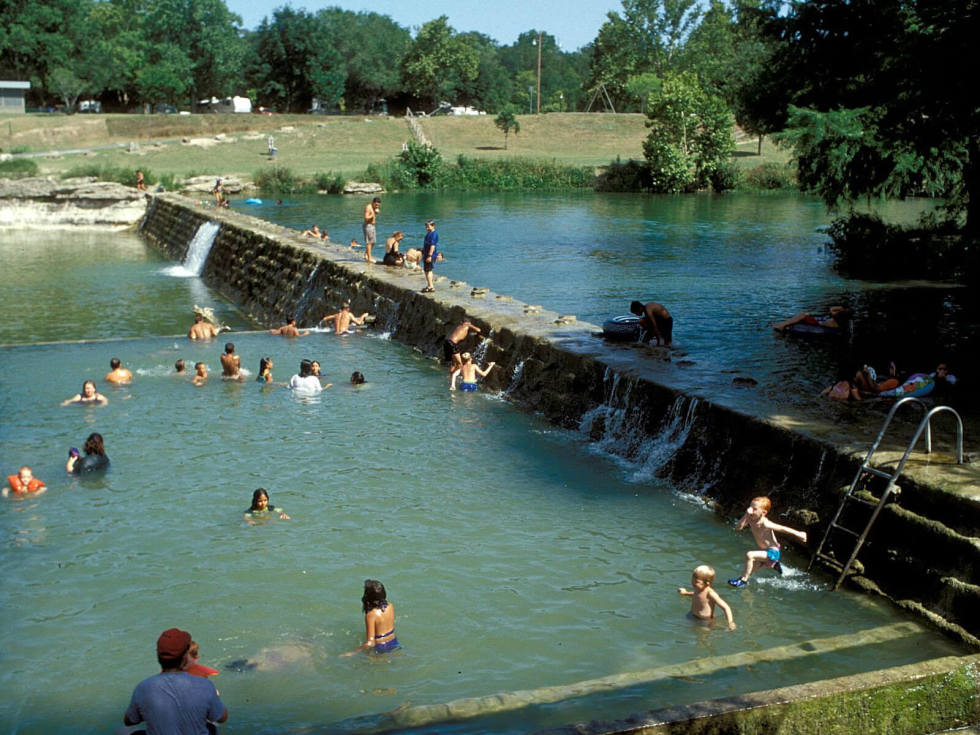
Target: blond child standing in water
757, 519
704, 599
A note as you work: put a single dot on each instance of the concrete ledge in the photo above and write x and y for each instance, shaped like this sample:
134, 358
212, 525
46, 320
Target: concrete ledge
906, 700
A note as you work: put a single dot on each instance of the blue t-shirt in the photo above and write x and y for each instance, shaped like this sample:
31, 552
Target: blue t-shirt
175, 704
431, 240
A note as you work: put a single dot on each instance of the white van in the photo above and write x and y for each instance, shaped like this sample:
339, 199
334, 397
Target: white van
228, 104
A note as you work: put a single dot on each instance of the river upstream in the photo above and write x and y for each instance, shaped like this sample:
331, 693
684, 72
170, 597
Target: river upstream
518, 556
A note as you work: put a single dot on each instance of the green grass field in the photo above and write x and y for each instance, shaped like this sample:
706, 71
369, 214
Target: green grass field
309, 145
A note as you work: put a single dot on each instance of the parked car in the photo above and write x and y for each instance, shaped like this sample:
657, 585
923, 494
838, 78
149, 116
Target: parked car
164, 109
89, 106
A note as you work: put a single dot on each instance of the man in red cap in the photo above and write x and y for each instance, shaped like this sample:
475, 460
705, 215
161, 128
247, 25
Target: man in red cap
174, 702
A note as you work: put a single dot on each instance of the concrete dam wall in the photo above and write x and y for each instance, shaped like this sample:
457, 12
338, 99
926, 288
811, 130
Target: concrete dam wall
923, 552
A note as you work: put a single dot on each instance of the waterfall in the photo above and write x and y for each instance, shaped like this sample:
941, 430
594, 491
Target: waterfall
619, 429
197, 252
303, 304
515, 378
481, 349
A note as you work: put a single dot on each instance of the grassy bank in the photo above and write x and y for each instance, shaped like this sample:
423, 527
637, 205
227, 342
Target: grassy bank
311, 147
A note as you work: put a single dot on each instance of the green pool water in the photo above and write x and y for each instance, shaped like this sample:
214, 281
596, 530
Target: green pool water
518, 555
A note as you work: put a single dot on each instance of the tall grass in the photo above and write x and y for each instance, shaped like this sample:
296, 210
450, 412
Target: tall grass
17, 168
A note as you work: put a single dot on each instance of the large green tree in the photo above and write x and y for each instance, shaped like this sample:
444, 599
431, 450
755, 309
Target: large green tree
884, 83
691, 134
42, 38
200, 35
370, 49
438, 64
647, 37
294, 61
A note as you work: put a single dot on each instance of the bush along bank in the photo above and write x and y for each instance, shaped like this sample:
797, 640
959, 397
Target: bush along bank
867, 247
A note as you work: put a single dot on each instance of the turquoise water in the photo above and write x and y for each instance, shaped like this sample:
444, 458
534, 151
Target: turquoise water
517, 555
726, 267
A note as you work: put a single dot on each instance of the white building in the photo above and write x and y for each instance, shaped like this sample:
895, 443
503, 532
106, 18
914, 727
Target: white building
12, 97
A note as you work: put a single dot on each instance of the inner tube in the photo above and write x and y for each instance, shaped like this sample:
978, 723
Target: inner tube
253, 201
626, 328
814, 329
917, 385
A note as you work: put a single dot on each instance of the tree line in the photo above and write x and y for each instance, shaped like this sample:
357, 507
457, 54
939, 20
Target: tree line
130, 53
874, 96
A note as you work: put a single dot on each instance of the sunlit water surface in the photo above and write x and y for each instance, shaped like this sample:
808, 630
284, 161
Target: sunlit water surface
516, 554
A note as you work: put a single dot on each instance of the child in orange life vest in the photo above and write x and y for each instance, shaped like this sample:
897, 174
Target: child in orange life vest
23, 483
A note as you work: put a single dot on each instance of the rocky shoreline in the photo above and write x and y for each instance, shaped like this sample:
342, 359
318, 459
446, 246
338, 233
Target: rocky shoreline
45, 202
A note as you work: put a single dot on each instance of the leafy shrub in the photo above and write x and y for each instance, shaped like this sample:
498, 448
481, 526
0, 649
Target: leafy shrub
420, 164
771, 176
17, 168
329, 182
513, 174
725, 177
277, 180
867, 247
632, 175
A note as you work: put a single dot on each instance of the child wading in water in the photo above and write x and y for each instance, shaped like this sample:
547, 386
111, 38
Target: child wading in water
704, 598
469, 370
757, 518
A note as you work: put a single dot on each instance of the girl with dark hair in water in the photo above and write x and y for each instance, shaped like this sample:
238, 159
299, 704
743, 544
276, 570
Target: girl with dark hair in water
262, 509
265, 370
379, 619
95, 458
89, 394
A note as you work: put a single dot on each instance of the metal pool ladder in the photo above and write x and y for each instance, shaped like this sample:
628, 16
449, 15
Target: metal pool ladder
891, 488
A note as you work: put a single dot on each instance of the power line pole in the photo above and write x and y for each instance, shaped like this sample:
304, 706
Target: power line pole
539, 72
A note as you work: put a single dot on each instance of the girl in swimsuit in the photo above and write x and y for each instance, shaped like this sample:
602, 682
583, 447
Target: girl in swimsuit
262, 509
265, 370
89, 394
379, 620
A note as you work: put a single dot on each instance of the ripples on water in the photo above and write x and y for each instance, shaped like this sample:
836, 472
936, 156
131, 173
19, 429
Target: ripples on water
516, 555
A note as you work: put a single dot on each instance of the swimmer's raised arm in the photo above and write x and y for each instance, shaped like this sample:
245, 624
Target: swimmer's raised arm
801, 535
452, 378
483, 373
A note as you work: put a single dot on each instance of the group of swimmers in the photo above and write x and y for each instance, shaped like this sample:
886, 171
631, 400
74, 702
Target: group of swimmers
864, 382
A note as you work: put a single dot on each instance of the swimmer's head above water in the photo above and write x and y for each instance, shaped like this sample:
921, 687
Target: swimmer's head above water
375, 595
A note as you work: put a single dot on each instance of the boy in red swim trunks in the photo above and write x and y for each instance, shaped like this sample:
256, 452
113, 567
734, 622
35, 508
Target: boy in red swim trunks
764, 531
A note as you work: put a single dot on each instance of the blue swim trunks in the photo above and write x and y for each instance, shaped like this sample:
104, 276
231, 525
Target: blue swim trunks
469, 387
385, 646
772, 553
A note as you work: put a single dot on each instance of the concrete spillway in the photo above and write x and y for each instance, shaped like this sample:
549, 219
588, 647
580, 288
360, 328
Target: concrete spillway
923, 553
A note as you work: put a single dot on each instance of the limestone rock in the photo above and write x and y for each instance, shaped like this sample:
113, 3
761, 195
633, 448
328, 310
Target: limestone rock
362, 187
46, 201
204, 184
